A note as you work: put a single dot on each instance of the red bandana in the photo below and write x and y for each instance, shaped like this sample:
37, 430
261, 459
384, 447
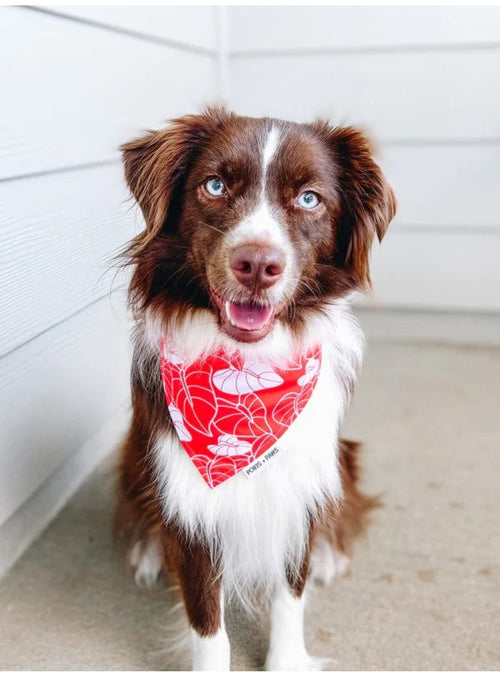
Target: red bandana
228, 412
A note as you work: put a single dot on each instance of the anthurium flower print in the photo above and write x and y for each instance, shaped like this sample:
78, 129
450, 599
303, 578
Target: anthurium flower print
227, 412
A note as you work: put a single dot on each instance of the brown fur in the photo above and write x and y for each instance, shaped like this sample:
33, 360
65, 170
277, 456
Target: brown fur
341, 523
139, 518
165, 171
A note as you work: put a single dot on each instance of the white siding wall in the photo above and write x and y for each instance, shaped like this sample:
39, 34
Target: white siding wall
424, 82
76, 82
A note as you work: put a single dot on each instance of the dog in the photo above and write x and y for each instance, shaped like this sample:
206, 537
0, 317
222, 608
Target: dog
232, 476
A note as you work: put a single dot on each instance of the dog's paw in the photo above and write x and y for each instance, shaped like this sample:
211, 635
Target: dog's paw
301, 661
146, 559
327, 563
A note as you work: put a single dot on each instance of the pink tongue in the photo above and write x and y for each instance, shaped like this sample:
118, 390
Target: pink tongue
249, 317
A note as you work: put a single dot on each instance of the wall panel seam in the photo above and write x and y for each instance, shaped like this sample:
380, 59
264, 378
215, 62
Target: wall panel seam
108, 294
355, 50
223, 60
61, 170
447, 229
410, 142
416, 310
166, 42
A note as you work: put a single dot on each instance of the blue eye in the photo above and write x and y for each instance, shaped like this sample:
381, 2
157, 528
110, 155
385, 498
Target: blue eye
308, 200
215, 187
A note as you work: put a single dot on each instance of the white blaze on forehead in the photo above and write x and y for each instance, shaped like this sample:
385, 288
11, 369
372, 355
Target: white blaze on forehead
270, 148
262, 224
265, 224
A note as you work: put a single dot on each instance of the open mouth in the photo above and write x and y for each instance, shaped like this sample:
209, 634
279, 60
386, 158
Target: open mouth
245, 321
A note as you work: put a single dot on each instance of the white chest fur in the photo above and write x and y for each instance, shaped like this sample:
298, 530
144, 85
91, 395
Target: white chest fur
259, 525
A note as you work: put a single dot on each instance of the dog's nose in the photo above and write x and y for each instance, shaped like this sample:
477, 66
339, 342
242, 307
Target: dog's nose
257, 266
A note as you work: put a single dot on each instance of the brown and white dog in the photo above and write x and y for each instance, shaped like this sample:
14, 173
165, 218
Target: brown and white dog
257, 231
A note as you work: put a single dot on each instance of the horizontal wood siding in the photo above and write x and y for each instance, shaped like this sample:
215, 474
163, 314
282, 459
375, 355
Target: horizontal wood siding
287, 29
412, 96
190, 27
58, 236
72, 93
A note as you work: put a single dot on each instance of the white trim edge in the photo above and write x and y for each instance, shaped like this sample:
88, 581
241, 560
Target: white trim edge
223, 74
480, 329
29, 521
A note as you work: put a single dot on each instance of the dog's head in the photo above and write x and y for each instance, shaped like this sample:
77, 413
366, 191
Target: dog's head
259, 220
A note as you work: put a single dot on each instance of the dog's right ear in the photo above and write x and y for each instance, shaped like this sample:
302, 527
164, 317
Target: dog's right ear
155, 164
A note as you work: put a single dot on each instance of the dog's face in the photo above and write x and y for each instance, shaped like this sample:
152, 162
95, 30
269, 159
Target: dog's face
258, 219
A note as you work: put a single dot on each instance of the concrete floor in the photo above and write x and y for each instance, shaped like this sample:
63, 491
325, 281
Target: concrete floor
424, 591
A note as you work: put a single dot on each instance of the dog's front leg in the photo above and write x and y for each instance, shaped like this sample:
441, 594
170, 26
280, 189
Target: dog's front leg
204, 604
210, 649
287, 650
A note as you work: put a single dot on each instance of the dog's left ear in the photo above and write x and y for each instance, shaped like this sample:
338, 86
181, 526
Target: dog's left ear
367, 202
